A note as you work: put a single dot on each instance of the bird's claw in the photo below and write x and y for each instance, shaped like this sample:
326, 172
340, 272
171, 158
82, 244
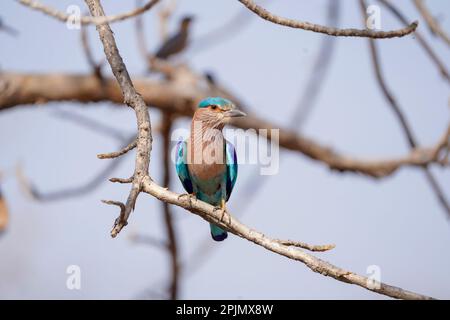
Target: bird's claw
186, 195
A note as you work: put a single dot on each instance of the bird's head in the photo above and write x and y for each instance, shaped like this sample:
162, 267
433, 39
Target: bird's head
186, 22
215, 112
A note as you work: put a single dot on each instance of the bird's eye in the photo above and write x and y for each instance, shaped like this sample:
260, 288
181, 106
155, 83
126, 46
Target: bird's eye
213, 107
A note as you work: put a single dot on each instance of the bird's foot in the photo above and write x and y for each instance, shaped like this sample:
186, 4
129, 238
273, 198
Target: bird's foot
223, 209
189, 196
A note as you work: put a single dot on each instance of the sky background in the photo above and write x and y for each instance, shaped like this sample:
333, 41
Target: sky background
395, 223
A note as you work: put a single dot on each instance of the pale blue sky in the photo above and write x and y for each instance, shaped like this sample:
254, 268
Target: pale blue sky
395, 223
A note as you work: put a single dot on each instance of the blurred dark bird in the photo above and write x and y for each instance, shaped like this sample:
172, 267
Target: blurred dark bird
7, 29
177, 42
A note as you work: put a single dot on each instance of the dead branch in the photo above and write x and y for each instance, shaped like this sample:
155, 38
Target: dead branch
397, 110
172, 243
208, 212
434, 26
4, 214
133, 99
433, 56
266, 15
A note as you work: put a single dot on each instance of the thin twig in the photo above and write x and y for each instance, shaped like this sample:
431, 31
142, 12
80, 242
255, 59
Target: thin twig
67, 192
314, 84
92, 124
133, 99
143, 182
433, 56
119, 153
121, 180
26, 89
218, 35
164, 16
7, 29
172, 243
147, 240
4, 213
142, 38
266, 15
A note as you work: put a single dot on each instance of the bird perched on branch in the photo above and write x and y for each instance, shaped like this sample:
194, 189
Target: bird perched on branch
206, 162
177, 42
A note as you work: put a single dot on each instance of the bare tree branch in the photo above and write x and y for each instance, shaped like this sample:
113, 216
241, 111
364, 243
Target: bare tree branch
142, 38
433, 56
434, 26
133, 99
231, 224
61, 16
119, 153
164, 15
266, 15
95, 66
172, 245
401, 117
167, 96
67, 192
319, 71
314, 84
143, 182
148, 240
4, 214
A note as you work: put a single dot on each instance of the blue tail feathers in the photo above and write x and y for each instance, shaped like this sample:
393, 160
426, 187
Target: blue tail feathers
217, 233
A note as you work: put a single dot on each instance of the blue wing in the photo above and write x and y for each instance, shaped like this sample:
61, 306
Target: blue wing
182, 168
232, 168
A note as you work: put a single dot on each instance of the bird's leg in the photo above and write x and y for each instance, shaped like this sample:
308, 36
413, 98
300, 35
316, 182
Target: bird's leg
223, 208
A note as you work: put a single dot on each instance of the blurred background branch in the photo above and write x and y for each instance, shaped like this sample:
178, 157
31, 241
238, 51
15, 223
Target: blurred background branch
176, 94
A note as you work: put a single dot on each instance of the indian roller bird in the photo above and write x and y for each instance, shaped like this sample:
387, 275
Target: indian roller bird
177, 42
3, 214
206, 162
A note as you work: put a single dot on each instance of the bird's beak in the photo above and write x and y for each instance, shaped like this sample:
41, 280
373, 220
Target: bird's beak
234, 113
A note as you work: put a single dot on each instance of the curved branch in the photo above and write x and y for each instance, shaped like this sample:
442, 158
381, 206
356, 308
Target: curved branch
119, 153
33, 4
266, 15
231, 224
